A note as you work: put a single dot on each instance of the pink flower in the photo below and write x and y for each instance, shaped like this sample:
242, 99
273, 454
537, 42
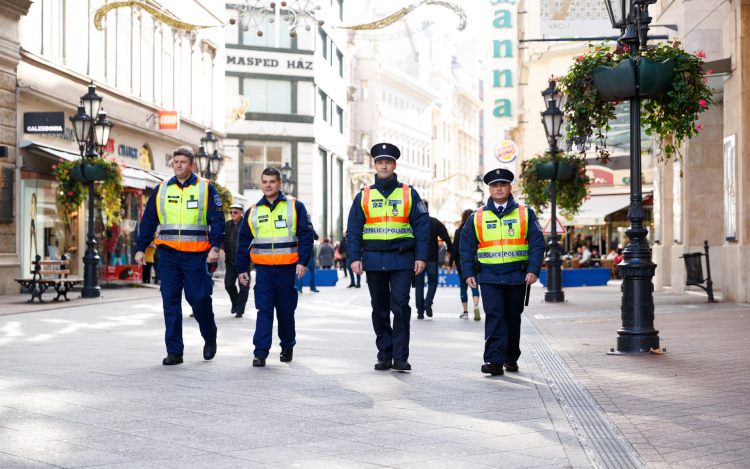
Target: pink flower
700, 127
701, 54
54, 166
706, 80
67, 203
581, 170
626, 49
70, 193
702, 103
710, 72
580, 58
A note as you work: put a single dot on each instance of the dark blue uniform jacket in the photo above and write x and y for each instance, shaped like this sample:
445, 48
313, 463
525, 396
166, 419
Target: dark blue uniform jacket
304, 234
385, 260
502, 274
214, 216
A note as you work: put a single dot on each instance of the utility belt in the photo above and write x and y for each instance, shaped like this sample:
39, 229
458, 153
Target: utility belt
523, 266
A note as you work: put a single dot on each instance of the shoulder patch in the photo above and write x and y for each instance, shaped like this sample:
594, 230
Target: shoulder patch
421, 207
538, 226
217, 200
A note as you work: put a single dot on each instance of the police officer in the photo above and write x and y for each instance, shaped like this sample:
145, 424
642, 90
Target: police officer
386, 236
281, 235
506, 241
186, 216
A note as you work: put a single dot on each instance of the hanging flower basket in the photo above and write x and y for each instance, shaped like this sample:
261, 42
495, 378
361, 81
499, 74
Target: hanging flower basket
671, 81
555, 170
74, 177
87, 172
572, 187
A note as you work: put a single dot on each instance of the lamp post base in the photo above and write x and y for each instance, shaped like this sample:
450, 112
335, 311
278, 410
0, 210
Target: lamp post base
554, 297
94, 292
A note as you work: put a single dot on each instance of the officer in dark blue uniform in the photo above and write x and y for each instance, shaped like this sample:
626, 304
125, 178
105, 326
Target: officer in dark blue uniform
502, 248
387, 236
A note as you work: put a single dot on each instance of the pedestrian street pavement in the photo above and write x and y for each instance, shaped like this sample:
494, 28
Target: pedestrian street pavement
83, 386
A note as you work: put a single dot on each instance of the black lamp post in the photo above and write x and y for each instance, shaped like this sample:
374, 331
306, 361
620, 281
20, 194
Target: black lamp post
214, 165
287, 179
201, 161
479, 191
91, 135
552, 120
637, 334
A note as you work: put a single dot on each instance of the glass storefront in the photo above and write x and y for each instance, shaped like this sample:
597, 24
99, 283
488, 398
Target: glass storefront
117, 243
43, 232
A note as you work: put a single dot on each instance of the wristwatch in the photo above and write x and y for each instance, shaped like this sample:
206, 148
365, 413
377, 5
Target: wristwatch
215, 248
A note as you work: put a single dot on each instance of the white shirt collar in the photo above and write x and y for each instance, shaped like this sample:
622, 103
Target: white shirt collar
499, 207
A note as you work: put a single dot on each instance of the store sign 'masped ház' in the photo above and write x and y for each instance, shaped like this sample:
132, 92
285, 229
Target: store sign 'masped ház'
274, 63
501, 69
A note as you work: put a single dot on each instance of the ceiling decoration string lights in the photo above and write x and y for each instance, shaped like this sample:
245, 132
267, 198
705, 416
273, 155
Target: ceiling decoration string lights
298, 13
389, 20
101, 23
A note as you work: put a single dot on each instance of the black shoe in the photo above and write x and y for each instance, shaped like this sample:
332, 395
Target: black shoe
234, 310
428, 310
401, 365
384, 364
420, 316
286, 355
172, 359
316, 290
511, 366
358, 286
209, 350
192, 315
260, 360
351, 286
492, 368
238, 315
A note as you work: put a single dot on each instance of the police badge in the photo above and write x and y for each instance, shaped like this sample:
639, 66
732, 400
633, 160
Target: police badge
510, 231
395, 210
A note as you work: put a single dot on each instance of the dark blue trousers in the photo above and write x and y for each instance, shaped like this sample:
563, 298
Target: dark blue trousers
432, 284
185, 270
389, 292
274, 288
503, 305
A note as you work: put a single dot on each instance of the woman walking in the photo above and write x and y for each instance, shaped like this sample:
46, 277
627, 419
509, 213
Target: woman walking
455, 258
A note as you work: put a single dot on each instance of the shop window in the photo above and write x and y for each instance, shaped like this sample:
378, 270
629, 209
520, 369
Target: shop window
269, 96
259, 156
117, 243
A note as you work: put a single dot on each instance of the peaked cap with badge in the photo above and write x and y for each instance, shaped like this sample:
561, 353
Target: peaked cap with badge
385, 150
498, 176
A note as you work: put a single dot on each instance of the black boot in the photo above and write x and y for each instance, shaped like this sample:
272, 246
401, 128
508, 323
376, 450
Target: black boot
384, 364
209, 350
401, 365
260, 360
492, 368
172, 359
286, 355
511, 366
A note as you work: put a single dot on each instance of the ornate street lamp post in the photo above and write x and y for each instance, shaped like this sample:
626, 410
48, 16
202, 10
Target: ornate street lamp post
287, 179
552, 120
201, 161
91, 134
479, 191
637, 334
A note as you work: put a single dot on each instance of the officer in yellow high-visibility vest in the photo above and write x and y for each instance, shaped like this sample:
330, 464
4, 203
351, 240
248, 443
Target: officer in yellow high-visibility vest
502, 248
277, 235
386, 236
185, 219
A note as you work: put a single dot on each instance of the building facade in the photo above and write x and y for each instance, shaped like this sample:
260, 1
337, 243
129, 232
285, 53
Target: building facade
286, 99
140, 65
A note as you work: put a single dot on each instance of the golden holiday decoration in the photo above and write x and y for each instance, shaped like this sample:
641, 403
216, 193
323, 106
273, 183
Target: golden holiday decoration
389, 20
299, 13
161, 16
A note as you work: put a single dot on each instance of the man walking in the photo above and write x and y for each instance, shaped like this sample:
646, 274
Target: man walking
387, 236
437, 229
231, 239
186, 216
344, 250
506, 240
281, 235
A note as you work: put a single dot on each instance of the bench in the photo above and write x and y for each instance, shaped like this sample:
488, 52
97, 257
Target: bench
38, 285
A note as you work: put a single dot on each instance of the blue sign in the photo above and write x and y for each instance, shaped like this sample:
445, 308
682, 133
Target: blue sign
131, 152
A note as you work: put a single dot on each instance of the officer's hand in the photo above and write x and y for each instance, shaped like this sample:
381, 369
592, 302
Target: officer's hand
471, 282
419, 267
213, 256
357, 267
140, 258
245, 279
301, 269
531, 278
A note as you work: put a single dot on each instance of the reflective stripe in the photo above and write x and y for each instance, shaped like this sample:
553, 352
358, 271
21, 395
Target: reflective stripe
503, 242
366, 202
176, 226
163, 201
387, 220
170, 237
202, 188
283, 239
490, 255
387, 231
291, 207
271, 252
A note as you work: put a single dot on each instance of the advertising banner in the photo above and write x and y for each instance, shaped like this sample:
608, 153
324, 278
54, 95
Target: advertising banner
43, 122
575, 18
169, 120
120, 273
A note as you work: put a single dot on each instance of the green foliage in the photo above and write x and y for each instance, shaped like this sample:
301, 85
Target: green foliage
570, 193
227, 199
670, 117
72, 194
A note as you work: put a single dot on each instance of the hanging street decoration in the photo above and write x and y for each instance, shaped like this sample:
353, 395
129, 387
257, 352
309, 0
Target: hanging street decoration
298, 13
166, 18
389, 20
394, 35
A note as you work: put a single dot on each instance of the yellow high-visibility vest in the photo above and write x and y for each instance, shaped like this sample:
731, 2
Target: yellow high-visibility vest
502, 240
274, 233
182, 216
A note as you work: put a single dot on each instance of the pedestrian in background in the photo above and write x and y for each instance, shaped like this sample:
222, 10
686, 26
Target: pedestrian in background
352, 283
437, 229
278, 234
231, 240
326, 254
311, 268
506, 240
456, 258
190, 224
150, 252
344, 253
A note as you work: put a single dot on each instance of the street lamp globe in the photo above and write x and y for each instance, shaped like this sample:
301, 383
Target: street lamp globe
102, 129
552, 120
215, 163
81, 125
201, 161
287, 179
91, 101
209, 142
616, 10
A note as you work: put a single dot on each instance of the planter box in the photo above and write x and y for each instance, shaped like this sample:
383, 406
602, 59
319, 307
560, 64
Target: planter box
87, 173
555, 170
654, 78
615, 83
565, 171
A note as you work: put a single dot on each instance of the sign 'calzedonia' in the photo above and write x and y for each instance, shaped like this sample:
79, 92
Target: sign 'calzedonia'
501, 69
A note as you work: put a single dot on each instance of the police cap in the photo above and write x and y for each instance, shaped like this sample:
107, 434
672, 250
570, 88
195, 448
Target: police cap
385, 150
497, 176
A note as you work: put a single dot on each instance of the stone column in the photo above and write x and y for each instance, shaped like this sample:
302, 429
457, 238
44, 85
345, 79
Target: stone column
11, 12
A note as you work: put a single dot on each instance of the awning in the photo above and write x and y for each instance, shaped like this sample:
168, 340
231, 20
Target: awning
593, 210
48, 151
